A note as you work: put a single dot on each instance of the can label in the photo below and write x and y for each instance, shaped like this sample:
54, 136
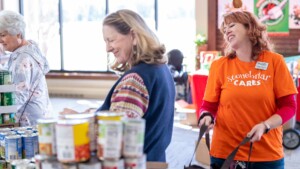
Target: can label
72, 141
13, 147
47, 141
92, 126
5, 77
110, 140
30, 145
134, 133
7, 99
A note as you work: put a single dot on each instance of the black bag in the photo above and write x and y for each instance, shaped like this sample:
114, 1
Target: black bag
230, 157
203, 129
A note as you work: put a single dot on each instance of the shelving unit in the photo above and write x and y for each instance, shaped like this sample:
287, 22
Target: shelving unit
8, 109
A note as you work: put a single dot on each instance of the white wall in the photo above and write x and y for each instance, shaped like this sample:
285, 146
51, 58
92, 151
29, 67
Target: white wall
201, 16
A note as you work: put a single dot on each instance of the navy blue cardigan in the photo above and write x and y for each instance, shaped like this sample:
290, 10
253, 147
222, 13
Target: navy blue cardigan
160, 113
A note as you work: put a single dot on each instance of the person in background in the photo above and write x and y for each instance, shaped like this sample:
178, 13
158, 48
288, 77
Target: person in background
175, 59
28, 68
249, 92
146, 87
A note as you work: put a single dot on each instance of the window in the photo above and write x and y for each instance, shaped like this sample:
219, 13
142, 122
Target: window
69, 32
42, 26
177, 28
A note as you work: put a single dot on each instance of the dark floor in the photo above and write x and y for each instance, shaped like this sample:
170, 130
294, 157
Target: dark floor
180, 151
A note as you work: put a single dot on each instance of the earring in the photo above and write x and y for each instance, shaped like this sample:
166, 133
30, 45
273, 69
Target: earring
134, 50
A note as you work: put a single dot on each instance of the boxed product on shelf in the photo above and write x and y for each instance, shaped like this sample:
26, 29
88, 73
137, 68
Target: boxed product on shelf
8, 108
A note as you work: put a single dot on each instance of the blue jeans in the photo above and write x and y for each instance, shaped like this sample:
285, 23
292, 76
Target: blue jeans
278, 164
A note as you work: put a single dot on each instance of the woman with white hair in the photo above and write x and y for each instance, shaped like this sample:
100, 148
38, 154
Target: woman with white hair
28, 67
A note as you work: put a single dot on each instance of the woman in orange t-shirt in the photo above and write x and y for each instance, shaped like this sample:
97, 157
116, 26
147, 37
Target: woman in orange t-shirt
250, 92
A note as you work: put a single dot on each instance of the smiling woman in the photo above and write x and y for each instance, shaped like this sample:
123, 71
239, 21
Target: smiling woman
146, 88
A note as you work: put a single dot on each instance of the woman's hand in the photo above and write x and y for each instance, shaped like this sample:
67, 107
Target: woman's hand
256, 132
206, 120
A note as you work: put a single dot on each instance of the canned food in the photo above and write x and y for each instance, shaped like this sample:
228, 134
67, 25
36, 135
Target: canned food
46, 133
8, 118
13, 147
2, 143
72, 141
135, 163
20, 163
7, 99
109, 115
109, 139
113, 164
1, 117
92, 126
30, 145
94, 163
51, 164
134, 133
12, 118
5, 77
40, 160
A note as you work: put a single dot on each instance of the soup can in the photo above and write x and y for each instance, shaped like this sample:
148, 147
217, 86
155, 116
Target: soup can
92, 126
45, 162
30, 145
135, 163
113, 164
109, 139
110, 115
134, 133
5, 77
73, 142
46, 134
93, 163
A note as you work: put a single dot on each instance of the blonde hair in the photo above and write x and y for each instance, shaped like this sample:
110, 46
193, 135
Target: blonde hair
148, 48
256, 30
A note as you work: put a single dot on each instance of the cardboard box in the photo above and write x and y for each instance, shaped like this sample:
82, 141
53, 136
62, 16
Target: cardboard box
156, 165
187, 117
202, 153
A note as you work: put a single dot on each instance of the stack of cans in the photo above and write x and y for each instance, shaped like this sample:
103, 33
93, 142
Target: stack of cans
17, 144
6, 98
104, 140
120, 141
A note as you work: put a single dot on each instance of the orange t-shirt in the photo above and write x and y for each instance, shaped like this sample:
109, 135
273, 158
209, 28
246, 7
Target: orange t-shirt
247, 96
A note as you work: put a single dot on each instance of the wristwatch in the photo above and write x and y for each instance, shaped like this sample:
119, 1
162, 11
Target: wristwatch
267, 127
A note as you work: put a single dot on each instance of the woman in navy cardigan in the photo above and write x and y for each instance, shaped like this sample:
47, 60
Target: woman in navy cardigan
146, 88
